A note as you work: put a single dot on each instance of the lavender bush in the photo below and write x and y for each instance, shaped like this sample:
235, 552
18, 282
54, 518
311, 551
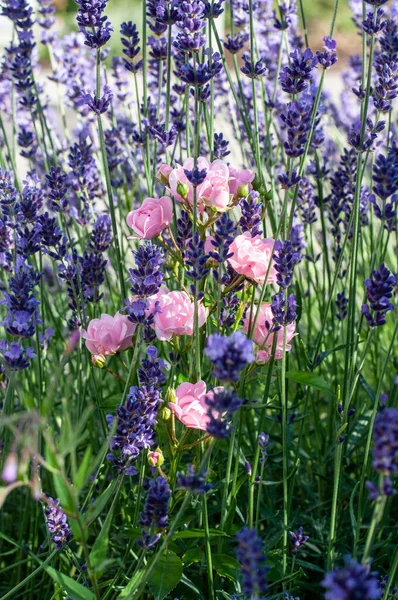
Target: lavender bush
198, 354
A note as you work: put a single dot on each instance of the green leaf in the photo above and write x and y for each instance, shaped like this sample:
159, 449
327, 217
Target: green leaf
370, 392
132, 585
352, 513
226, 566
310, 379
72, 587
322, 355
193, 555
100, 548
196, 533
83, 470
95, 509
166, 575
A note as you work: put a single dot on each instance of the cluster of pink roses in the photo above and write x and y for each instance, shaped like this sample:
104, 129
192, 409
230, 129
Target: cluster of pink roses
173, 311
223, 185
174, 315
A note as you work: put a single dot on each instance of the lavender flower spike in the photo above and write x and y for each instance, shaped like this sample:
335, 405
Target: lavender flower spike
351, 583
229, 355
57, 523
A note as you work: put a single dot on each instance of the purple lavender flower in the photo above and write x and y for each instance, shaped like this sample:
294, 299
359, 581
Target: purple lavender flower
46, 20
152, 368
196, 258
328, 57
284, 313
289, 179
306, 201
184, 230
297, 540
385, 439
379, 290
19, 12
202, 73
253, 70
92, 23
57, 190
252, 209
220, 146
386, 212
385, 174
93, 264
130, 41
98, 105
297, 119
57, 523
21, 303
352, 582
284, 258
236, 42
287, 15
134, 430
16, 356
155, 514
224, 234
221, 403
229, 355
341, 306
387, 88
196, 176
147, 277
252, 560
263, 441
297, 240
230, 303
164, 137
295, 76
193, 481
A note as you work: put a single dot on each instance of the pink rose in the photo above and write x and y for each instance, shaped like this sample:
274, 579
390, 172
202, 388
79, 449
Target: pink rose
251, 257
108, 334
151, 217
178, 177
263, 338
190, 406
213, 192
175, 314
240, 181
163, 174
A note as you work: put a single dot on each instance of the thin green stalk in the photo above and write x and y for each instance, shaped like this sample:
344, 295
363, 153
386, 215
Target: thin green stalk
378, 513
261, 421
208, 552
285, 456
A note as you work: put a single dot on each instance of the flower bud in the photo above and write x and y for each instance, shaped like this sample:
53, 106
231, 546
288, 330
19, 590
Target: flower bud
243, 191
98, 361
156, 458
182, 190
10, 470
163, 174
170, 395
165, 413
